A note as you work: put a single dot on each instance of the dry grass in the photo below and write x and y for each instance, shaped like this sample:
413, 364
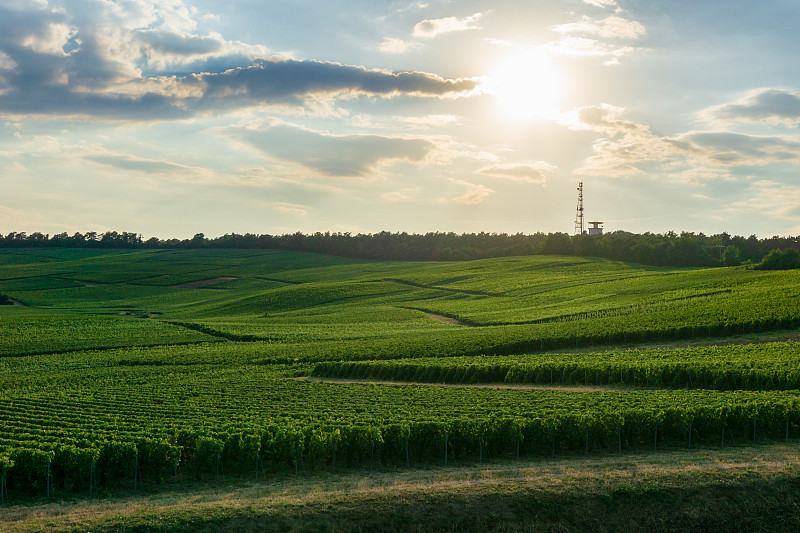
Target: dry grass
459, 498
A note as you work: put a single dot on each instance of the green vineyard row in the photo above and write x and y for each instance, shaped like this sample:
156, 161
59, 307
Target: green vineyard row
77, 466
156, 416
768, 366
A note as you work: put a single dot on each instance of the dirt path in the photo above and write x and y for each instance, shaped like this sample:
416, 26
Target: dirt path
447, 319
203, 282
87, 283
498, 386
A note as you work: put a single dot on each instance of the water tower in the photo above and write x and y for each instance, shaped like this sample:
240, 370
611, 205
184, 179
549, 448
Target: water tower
595, 229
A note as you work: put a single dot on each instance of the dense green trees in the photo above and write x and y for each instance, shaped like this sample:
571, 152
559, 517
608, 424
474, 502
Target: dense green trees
780, 260
667, 249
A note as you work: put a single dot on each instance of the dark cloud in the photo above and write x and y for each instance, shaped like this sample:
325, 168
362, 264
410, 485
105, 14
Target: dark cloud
168, 42
290, 81
737, 149
52, 65
772, 106
331, 155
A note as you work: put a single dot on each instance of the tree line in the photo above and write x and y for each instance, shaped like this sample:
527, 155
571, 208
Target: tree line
658, 249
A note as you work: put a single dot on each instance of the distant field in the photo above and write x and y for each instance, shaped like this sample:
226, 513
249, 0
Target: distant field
122, 368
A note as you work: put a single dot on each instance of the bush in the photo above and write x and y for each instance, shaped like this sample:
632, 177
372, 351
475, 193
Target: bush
780, 260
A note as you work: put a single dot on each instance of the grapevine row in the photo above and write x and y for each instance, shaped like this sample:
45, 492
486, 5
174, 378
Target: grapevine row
289, 447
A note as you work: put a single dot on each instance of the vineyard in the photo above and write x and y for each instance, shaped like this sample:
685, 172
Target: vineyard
768, 366
123, 369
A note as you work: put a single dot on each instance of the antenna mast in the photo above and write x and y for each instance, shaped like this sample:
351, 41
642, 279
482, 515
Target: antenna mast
579, 214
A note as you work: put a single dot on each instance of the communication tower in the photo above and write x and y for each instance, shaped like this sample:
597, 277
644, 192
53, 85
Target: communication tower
579, 214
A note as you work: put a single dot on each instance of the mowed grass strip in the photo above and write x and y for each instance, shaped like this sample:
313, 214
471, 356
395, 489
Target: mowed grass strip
747, 489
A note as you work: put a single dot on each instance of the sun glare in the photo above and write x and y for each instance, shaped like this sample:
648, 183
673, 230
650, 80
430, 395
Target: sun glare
525, 87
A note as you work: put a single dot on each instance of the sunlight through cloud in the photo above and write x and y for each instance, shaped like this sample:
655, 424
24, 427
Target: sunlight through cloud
526, 86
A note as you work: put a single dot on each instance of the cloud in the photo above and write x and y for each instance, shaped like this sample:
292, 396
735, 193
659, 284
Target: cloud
535, 173
609, 37
624, 147
291, 80
605, 119
601, 3
327, 154
390, 45
137, 164
583, 47
430, 28
292, 209
6, 63
612, 27
736, 149
168, 49
766, 106
130, 61
474, 194
396, 196
777, 199
50, 38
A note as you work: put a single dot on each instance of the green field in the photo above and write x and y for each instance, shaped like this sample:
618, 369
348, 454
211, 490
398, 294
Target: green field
128, 370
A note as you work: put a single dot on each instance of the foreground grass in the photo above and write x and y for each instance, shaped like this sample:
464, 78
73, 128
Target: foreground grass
736, 489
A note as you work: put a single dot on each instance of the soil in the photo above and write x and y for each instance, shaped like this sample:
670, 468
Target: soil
447, 319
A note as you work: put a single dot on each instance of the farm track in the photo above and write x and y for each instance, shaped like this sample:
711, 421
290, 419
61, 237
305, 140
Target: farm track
203, 282
446, 319
699, 490
443, 289
496, 386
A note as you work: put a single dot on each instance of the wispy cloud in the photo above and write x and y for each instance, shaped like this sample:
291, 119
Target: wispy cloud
474, 195
601, 3
535, 172
138, 164
625, 146
778, 199
610, 37
396, 196
328, 154
391, 45
612, 27
291, 209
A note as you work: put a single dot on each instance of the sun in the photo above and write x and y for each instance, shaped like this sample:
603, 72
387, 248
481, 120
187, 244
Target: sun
525, 86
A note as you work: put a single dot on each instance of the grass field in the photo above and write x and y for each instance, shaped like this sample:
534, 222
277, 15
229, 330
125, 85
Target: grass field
169, 376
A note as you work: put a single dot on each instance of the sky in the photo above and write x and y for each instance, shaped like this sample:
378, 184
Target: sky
175, 117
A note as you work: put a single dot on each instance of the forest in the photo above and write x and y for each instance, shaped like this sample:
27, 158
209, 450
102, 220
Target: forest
685, 249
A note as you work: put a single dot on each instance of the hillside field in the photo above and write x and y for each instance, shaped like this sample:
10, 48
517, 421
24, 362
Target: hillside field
141, 374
